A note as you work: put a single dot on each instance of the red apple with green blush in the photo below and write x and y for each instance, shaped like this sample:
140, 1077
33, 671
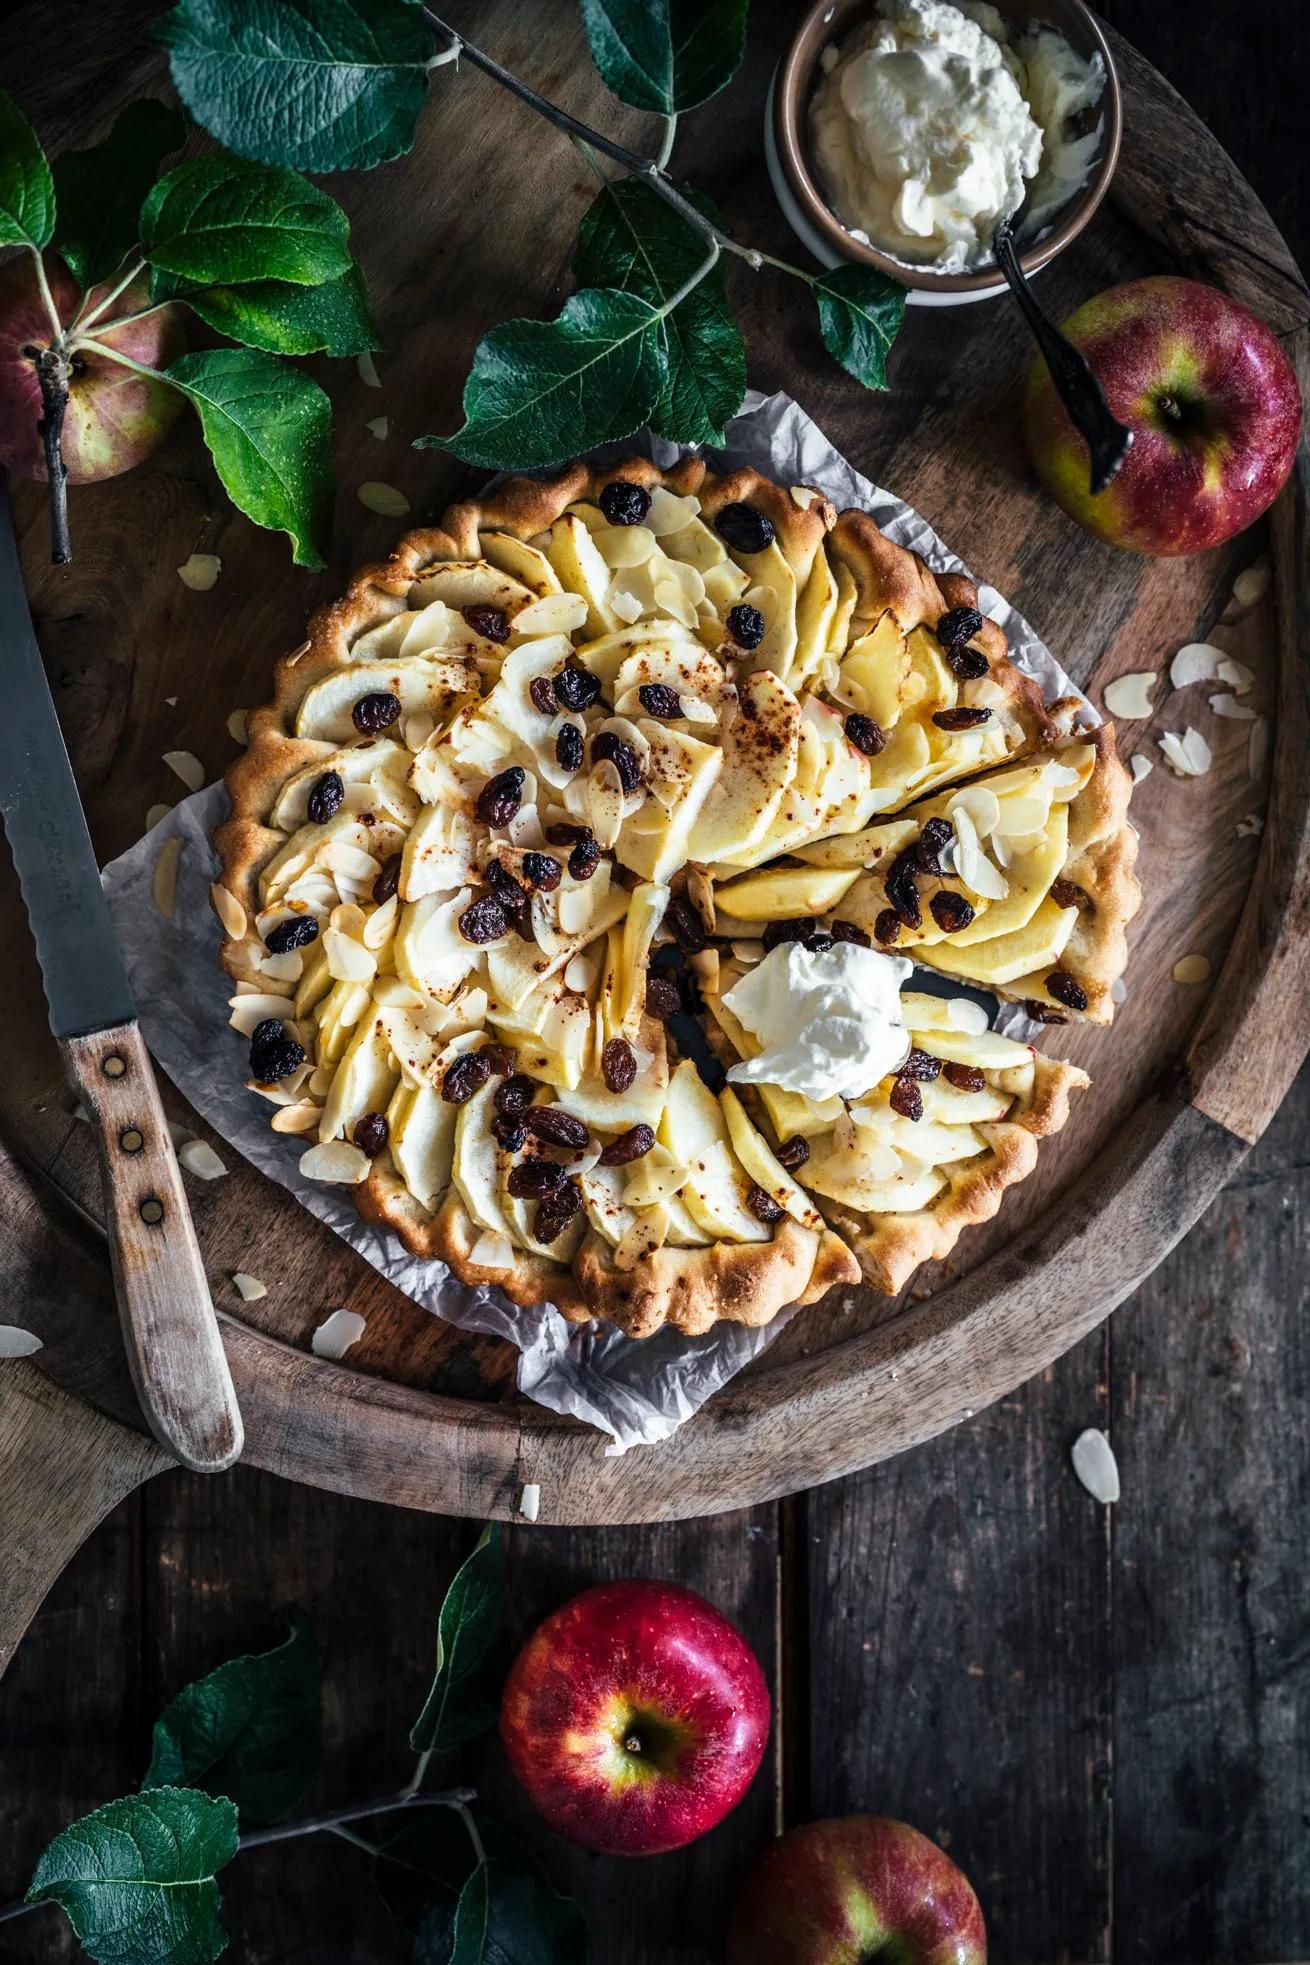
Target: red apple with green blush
860, 1890
1212, 402
636, 1717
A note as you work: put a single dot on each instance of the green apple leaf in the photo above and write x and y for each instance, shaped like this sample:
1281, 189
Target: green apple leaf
541, 391
27, 190
666, 55
860, 315
136, 1877
465, 1692
100, 190
250, 1730
287, 320
631, 239
322, 85
505, 1916
222, 220
269, 430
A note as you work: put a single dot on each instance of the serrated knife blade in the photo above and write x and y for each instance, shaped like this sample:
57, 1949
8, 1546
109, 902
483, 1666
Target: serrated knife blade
174, 1346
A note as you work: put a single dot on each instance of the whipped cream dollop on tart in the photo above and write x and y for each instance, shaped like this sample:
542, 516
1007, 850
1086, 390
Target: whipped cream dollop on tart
576, 870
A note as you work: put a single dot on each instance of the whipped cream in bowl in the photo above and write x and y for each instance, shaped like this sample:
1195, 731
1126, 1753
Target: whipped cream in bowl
827, 1021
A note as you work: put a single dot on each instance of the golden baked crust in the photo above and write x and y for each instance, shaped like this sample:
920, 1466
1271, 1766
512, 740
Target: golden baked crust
850, 622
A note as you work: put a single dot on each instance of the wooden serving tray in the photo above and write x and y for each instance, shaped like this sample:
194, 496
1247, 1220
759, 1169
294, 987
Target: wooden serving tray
424, 1415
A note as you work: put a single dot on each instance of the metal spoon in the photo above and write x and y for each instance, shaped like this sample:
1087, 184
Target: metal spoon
1108, 440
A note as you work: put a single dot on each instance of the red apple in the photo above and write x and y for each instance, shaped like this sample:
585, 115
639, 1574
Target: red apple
114, 418
635, 1717
1212, 402
858, 1891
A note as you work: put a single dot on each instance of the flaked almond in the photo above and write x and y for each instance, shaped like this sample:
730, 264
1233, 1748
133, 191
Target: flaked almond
248, 1288
625, 605
647, 1232
1236, 674
200, 572
1226, 704
229, 910
580, 974
1198, 661
1191, 969
300, 1118
528, 1505
1142, 767
188, 768
15, 1342
967, 1015
335, 1161
199, 1157
700, 892
492, 1251
236, 726
1250, 826
669, 513
165, 878
1257, 750
1095, 1465
381, 924
368, 371
384, 499
251, 1007
416, 729
379, 427
1252, 583
605, 802
337, 1333
1188, 755
1130, 695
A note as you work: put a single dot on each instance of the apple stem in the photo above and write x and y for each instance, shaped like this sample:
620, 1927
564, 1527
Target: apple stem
52, 376
633, 1743
82, 321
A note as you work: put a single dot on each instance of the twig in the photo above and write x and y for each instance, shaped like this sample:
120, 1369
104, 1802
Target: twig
666, 144
47, 298
83, 321
457, 1798
466, 1816
52, 377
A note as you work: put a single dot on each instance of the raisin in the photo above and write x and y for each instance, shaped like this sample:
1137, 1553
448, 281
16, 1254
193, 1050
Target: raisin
576, 687
274, 1055
745, 528
557, 1127
568, 747
902, 888
618, 1067
513, 1097
846, 931
542, 871
624, 503
961, 624
907, 1099
542, 691
325, 798
511, 1133
492, 623
887, 928
962, 719
657, 699
936, 836
500, 1058
557, 1210
629, 1146
663, 997
504, 886
799, 929
865, 734
377, 711
950, 911
1066, 893
818, 942
388, 880
565, 834
533, 1178
966, 1077
371, 1134
297, 931
501, 797
468, 1074
746, 625
793, 1153
966, 663
1041, 1012
762, 1205
1064, 989
922, 1066
685, 925
622, 756
584, 859
483, 921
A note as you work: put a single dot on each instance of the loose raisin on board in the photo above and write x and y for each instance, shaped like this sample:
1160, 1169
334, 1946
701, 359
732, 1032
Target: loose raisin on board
745, 528
624, 503
325, 798
629, 1146
297, 931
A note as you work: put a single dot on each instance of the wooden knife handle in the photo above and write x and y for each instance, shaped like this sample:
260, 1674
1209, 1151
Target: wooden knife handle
173, 1344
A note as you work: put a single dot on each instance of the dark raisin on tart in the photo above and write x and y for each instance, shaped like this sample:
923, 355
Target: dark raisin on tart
374, 712
492, 623
865, 734
273, 1054
297, 931
745, 528
1064, 989
624, 503
501, 796
577, 688
746, 625
325, 798
371, 1134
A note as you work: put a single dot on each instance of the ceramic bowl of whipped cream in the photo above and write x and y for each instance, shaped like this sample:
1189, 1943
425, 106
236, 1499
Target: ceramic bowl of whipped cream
901, 131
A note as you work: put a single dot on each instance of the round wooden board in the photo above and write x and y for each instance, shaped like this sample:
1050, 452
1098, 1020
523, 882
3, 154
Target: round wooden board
1183, 1083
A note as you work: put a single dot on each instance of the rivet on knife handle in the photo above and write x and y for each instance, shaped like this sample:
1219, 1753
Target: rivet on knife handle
173, 1341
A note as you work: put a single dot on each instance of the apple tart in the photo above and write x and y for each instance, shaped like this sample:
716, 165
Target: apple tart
573, 774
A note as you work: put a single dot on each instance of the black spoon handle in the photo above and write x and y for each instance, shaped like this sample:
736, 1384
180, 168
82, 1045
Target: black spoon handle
1108, 440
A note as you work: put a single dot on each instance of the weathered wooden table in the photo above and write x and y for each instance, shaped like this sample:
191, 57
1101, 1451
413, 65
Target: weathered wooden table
1103, 1716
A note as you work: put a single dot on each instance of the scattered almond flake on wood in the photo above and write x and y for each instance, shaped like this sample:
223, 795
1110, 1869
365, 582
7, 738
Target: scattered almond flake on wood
1236, 674
1251, 826
155, 814
188, 768
1191, 969
229, 910
335, 1160
1198, 661
1095, 1465
171, 701
15, 1342
178, 1134
1188, 755
236, 726
384, 499
1225, 704
1142, 767
200, 572
165, 881
379, 427
199, 1157
1118, 990
249, 1288
1257, 750
529, 1501
1130, 695
337, 1333
1252, 583
368, 371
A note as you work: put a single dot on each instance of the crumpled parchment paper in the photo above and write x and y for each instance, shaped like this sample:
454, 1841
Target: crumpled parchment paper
638, 1392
